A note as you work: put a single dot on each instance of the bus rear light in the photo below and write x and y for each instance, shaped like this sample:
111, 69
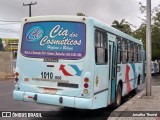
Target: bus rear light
25, 20
86, 85
16, 74
84, 19
86, 79
85, 91
30, 97
16, 79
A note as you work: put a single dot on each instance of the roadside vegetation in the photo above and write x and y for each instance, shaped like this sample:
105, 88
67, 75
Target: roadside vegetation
140, 32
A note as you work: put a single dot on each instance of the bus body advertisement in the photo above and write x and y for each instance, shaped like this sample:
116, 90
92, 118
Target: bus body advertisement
76, 61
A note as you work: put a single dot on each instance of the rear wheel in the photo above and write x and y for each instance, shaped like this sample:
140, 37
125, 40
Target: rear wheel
118, 96
135, 91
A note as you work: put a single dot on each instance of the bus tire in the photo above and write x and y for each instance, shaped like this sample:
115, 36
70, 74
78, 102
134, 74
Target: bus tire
118, 96
135, 91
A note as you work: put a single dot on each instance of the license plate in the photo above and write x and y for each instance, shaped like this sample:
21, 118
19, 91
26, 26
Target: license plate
50, 90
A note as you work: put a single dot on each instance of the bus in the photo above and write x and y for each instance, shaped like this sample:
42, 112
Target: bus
77, 62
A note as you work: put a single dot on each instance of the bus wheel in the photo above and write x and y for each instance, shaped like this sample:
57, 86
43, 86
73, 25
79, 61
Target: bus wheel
135, 91
118, 96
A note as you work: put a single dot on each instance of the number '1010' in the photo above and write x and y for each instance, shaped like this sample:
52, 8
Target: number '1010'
47, 75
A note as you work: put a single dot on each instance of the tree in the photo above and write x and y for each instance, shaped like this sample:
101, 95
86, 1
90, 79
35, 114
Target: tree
156, 35
140, 33
80, 14
122, 26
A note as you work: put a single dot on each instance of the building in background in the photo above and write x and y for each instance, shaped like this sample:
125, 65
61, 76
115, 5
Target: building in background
10, 44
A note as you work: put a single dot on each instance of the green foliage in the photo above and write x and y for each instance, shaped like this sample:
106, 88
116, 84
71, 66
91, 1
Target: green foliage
140, 33
122, 26
80, 14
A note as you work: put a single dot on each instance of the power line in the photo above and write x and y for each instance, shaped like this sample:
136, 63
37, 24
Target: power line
30, 4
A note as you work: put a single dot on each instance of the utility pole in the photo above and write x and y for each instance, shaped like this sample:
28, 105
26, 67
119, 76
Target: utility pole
30, 4
148, 48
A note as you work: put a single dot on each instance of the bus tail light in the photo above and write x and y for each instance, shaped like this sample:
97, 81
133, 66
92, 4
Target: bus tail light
86, 79
17, 74
16, 77
25, 19
85, 91
86, 85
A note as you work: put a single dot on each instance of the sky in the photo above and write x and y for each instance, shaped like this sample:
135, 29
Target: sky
104, 10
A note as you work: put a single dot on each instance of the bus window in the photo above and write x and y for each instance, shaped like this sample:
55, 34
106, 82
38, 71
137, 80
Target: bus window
135, 52
100, 47
124, 51
139, 53
131, 52
119, 50
54, 40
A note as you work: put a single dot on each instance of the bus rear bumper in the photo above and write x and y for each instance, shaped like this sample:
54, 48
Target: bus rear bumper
74, 102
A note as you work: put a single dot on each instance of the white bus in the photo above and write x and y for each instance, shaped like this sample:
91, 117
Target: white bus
76, 61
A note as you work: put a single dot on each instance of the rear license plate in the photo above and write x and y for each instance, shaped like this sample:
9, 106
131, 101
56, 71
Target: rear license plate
50, 90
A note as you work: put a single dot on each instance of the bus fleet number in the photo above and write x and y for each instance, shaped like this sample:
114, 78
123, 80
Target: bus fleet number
47, 75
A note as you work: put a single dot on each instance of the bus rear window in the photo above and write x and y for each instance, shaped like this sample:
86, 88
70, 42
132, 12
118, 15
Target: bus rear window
57, 40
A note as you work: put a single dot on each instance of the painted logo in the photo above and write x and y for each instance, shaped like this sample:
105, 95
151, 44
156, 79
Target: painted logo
78, 71
64, 71
34, 34
127, 78
74, 67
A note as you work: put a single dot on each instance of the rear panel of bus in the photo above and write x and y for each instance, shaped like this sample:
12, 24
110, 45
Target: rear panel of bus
54, 64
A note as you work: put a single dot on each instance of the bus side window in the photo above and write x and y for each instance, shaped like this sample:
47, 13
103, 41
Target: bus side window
139, 53
135, 52
124, 51
132, 52
129, 52
101, 47
119, 50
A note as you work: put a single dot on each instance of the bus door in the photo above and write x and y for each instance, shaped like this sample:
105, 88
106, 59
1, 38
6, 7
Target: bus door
113, 69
